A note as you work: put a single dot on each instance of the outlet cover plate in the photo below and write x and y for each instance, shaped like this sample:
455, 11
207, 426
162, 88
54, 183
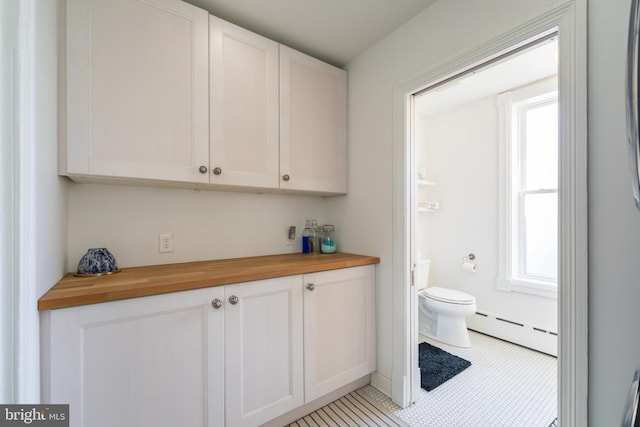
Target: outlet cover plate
165, 242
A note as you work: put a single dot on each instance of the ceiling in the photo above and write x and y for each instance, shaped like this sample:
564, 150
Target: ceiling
335, 31
517, 70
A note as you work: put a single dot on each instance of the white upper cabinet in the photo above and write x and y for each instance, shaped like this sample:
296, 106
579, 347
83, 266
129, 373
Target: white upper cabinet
159, 91
244, 107
137, 89
313, 128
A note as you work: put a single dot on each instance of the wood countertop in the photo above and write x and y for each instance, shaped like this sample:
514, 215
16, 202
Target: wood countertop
133, 282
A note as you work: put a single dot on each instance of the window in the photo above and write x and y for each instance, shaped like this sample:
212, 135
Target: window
528, 189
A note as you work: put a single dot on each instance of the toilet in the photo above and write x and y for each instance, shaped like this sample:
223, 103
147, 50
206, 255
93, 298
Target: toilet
441, 311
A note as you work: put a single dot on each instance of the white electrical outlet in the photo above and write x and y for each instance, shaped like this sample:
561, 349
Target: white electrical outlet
166, 242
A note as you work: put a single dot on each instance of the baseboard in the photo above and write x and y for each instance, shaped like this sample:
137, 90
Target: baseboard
381, 382
310, 407
514, 331
400, 393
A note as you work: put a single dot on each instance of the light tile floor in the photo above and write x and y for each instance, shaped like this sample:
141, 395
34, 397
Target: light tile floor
352, 410
506, 386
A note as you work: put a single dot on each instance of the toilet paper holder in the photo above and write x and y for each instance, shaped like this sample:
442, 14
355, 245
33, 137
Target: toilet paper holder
469, 263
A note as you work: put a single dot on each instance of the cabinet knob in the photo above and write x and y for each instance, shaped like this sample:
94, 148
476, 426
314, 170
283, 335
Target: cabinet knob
286, 177
217, 171
311, 286
216, 303
202, 169
234, 299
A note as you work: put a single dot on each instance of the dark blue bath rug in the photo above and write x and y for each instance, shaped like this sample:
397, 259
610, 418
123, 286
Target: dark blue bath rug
438, 366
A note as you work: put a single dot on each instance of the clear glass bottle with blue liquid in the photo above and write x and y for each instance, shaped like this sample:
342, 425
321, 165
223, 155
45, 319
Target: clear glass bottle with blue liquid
328, 240
306, 233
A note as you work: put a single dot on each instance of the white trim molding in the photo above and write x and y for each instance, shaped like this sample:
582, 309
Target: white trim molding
27, 320
381, 382
510, 251
569, 19
9, 74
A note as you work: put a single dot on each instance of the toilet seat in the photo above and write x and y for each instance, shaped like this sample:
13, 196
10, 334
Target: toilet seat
450, 296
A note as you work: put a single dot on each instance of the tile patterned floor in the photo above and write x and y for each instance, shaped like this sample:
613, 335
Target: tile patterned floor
506, 386
353, 410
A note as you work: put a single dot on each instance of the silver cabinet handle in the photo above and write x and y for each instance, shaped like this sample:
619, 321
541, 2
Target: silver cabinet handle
202, 169
286, 177
217, 171
234, 299
216, 303
311, 286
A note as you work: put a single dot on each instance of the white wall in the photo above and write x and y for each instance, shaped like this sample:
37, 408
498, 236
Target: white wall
205, 224
443, 31
49, 191
459, 149
614, 222
39, 194
460, 155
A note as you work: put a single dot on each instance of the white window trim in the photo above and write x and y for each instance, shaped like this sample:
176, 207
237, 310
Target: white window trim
506, 216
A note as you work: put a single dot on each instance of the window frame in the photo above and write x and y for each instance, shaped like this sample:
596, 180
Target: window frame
511, 254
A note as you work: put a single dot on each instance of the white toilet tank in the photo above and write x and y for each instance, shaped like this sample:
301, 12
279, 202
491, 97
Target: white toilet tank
422, 274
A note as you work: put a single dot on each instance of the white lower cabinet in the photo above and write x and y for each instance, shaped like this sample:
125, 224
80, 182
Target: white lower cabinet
263, 350
339, 328
152, 361
234, 355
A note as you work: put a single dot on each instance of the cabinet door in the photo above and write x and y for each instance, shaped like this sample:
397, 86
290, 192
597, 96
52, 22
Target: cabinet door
149, 361
263, 350
339, 328
313, 135
137, 89
244, 107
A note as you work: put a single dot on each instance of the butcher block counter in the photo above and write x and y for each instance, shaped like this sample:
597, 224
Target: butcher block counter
134, 282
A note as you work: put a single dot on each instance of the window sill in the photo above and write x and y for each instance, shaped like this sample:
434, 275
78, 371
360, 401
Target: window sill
538, 288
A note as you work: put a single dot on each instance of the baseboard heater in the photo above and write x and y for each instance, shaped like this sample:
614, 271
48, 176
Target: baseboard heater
511, 330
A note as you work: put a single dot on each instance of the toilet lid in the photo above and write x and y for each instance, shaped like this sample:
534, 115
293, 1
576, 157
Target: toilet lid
448, 295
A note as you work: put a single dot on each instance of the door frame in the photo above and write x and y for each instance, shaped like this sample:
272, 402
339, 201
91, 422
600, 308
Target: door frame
569, 19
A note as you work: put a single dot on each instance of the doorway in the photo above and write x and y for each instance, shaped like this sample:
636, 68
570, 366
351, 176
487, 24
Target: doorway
484, 217
572, 209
